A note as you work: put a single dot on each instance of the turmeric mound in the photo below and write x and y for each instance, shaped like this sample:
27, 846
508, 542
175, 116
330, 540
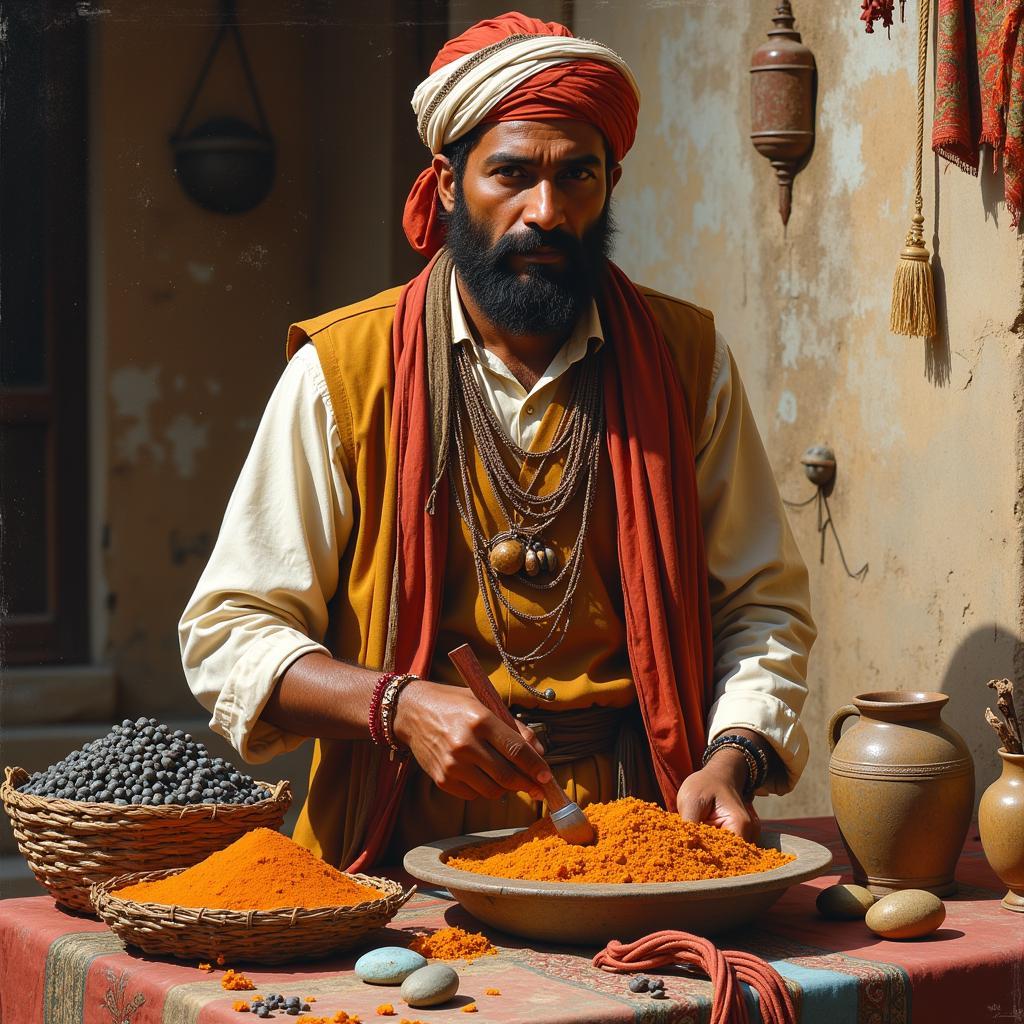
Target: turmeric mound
453, 944
263, 870
636, 842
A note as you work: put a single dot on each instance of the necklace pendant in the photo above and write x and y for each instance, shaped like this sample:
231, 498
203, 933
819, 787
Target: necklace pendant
507, 556
540, 557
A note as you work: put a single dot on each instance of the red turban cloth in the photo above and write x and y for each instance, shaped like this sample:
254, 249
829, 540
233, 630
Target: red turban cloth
491, 80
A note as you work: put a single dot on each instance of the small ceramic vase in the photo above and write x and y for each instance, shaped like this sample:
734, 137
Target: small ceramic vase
1001, 822
902, 785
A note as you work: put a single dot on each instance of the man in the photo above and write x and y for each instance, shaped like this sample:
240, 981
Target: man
523, 451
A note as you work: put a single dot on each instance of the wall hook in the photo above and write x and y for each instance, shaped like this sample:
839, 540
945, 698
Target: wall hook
819, 462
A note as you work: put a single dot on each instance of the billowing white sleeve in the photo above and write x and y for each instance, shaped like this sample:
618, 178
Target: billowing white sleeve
261, 602
760, 604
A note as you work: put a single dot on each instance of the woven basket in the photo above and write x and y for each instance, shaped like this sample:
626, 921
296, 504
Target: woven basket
72, 844
257, 936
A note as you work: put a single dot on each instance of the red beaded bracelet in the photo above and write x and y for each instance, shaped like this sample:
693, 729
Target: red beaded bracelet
376, 732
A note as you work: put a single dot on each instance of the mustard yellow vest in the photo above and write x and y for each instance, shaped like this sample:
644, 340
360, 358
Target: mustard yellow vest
590, 666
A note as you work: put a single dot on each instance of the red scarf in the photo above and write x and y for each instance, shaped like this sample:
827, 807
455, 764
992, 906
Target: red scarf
660, 542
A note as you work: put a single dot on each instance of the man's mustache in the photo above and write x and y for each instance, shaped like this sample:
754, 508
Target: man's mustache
523, 243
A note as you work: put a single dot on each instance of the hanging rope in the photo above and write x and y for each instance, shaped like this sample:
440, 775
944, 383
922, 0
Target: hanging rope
913, 290
724, 968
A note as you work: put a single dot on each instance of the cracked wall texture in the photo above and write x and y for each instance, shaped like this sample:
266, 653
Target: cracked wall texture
195, 306
927, 437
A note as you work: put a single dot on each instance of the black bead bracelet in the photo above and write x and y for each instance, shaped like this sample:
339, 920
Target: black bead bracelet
756, 759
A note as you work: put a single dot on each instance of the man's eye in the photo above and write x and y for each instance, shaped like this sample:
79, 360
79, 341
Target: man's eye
579, 173
510, 171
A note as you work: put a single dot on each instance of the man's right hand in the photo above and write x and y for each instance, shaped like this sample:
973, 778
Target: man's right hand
465, 749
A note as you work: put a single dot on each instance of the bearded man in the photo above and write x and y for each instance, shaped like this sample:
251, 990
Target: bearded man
520, 450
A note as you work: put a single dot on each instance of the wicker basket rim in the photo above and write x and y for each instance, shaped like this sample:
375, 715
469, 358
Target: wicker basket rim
105, 889
279, 791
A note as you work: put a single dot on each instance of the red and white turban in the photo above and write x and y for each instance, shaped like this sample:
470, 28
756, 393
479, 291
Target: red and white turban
515, 68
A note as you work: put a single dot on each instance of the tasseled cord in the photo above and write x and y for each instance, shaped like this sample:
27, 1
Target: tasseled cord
913, 289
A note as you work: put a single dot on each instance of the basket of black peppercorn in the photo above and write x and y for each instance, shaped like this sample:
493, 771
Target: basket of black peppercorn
142, 798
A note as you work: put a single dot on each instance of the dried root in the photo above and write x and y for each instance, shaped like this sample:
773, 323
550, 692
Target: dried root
1009, 732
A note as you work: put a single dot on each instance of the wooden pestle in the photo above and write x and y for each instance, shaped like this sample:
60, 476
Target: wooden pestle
566, 815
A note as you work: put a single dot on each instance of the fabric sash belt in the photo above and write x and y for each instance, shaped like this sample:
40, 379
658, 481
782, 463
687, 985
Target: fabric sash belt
572, 735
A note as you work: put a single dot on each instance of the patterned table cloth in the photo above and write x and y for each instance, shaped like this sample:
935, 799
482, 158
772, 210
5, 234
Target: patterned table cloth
64, 969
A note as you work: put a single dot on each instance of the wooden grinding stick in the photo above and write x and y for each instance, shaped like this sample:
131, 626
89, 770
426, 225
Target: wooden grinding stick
567, 817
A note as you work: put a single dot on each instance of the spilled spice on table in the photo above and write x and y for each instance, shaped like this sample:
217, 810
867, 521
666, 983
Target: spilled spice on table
235, 981
636, 842
263, 870
453, 944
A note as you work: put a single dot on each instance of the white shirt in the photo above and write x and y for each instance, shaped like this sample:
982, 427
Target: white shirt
261, 602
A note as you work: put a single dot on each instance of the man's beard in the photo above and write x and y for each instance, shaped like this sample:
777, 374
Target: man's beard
542, 299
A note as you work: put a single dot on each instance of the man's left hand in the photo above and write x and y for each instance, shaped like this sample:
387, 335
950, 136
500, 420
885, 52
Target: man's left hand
714, 796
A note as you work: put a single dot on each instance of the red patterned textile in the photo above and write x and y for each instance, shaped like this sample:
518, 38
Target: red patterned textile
69, 969
980, 67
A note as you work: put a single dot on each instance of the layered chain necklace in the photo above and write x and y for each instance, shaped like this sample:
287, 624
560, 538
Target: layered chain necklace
524, 548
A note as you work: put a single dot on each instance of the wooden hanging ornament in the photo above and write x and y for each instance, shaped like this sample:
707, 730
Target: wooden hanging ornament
913, 289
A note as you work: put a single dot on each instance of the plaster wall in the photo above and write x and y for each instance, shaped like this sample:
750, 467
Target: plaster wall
927, 435
463, 13
189, 308
189, 313
368, 59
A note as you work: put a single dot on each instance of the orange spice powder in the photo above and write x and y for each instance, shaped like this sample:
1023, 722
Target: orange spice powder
453, 944
235, 981
636, 842
386, 1010
469, 1008
263, 870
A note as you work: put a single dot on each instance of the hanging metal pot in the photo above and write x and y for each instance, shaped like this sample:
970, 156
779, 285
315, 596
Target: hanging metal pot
225, 165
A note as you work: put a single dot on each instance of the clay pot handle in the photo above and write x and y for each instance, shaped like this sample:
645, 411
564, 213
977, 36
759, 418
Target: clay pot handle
835, 724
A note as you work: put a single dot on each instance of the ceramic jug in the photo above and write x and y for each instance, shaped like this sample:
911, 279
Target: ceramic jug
1001, 821
902, 785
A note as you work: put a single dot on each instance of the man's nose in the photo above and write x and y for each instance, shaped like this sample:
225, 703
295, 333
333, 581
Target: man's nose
544, 208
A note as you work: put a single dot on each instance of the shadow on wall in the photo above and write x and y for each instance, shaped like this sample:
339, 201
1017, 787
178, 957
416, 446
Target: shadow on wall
990, 652
937, 363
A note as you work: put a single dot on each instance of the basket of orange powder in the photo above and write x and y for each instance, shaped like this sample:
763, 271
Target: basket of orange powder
263, 899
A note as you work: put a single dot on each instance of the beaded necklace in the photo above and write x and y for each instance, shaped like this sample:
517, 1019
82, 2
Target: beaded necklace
522, 548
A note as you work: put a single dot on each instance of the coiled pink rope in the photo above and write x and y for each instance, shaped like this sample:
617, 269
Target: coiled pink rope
724, 968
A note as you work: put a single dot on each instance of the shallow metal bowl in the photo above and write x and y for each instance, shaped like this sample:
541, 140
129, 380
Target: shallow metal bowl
590, 914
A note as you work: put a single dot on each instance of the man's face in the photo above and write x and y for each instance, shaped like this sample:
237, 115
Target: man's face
528, 225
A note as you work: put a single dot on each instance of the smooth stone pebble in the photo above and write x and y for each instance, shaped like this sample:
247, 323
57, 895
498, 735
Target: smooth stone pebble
430, 985
844, 902
388, 965
908, 914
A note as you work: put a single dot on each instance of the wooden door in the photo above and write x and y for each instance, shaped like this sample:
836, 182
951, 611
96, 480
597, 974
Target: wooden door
43, 358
